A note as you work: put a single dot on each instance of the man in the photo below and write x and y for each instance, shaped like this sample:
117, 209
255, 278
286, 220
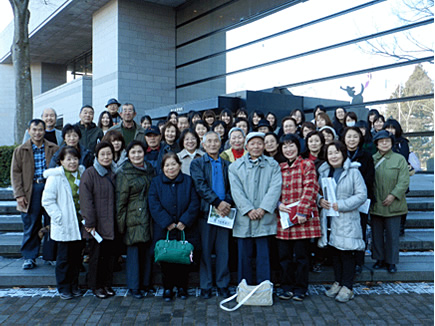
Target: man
112, 106
128, 127
153, 153
28, 164
91, 134
183, 123
256, 187
210, 176
49, 116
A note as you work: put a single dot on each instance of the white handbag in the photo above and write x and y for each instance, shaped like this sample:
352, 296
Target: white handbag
251, 295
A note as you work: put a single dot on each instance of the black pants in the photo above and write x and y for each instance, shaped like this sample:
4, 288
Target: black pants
68, 262
359, 255
139, 266
101, 260
294, 260
344, 266
174, 275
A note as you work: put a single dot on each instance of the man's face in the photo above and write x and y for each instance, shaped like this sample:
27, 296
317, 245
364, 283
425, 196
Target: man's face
49, 117
112, 108
212, 144
36, 132
86, 116
128, 113
255, 147
153, 140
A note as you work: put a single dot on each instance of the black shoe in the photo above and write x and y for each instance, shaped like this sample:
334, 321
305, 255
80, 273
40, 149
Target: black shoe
109, 291
358, 269
182, 294
283, 294
78, 292
379, 264
136, 294
224, 292
298, 297
206, 294
148, 292
167, 295
100, 293
392, 268
66, 296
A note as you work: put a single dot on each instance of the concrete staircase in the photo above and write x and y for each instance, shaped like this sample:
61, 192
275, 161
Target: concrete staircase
416, 258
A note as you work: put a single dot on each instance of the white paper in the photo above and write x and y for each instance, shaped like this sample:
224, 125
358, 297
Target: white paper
95, 235
285, 217
329, 187
224, 221
364, 208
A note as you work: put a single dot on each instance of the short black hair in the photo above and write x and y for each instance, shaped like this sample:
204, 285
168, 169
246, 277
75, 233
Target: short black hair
357, 130
339, 146
134, 143
169, 155
146, 117
290, 138
36, 122
65, 150
71, 128
104, 144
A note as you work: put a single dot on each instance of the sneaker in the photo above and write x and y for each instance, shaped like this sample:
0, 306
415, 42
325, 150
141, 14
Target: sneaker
333, 290
78, 293
50, 262
284, 295
66, 296
29, 264
344, 295
298, 297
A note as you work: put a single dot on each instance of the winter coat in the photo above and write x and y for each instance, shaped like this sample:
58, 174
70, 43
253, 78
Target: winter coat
23, 169
97, 200
91, 135
351, 193
173, 201
201, 172
299, 183
57, 200
86, 157
401, 147
367, 170
228, 155
255, 186
186, 160
133, 217
391, 177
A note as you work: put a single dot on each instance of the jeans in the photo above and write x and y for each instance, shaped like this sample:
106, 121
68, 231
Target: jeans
246, 258
139, 266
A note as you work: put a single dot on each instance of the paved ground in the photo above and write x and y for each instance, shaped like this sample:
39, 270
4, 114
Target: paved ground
379, 304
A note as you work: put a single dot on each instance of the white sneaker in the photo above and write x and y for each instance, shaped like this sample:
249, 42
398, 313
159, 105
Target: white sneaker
344, 295
333, 290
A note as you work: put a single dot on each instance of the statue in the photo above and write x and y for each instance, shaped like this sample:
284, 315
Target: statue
356, 99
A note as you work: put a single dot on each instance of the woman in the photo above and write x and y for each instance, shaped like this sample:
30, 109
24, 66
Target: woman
60, 199
71, 135
391, 183
242, 113
220, 128
306, 128
318, 109
201, 128
189, 144
373, 114
329, 134
227, 116
243, 124
299, 116
339, 118
322, 119
353, 140
273, 121
146, 122
378, 124
174, 206
105, 121
170, 134
255, 118
315, 142
97, 204
237, 143
299, 184
368, 145
350, 119
172, 117
346, 235
194, 116
117, 140
133, 219
209, 117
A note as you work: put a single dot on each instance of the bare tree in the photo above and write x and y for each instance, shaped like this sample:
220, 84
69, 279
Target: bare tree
21, 62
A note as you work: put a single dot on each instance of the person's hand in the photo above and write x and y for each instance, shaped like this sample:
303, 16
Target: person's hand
389, 200
22, 202
171, 227
260, 212
180, 226
284, 208
253, 214
90, 230
224, 208
335, 207
325, 204
301, 219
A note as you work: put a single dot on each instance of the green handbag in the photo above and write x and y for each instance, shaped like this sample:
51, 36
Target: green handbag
173, 251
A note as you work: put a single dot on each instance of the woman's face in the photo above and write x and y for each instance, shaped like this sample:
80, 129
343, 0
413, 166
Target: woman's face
289, 127
117, 144
290, 151
70, 163
170, 134
174, 119
320, 122
195, 118
190, 142
328, 137
243, 125
237, 140
391, 129
378, 124
384, 145
314, 144
350, 122
256, 119
220, 130
363, 131
372, 117
227, 119
200, 130
105, 120
351, 140
270, 144
105, 157
339, 113
72, 139
171, 168
271, 119
306, 131
136, 155
335, 157
297, 116
209, 120
146, 124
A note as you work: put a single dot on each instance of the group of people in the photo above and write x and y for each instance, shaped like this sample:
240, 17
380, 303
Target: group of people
117, 187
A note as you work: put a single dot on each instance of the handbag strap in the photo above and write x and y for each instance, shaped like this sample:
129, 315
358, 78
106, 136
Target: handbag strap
250, 294
183, 236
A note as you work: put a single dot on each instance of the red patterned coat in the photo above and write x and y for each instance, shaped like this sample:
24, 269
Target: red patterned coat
303, 188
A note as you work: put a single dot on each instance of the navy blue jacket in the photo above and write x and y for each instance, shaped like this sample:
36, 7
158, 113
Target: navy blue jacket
200, 171
173, 201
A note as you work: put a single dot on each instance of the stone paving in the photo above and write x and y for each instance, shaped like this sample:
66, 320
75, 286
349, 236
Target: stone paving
374, 304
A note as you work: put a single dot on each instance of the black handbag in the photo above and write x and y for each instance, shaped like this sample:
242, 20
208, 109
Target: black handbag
174, 251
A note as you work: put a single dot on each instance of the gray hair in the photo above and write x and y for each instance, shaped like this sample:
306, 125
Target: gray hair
211, 132
55, 114
236, 129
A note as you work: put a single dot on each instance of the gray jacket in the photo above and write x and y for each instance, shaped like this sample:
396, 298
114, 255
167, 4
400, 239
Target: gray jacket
351, 193
59, 138
252, 187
